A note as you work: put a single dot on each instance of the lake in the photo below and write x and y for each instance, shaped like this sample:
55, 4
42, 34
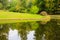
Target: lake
30, 31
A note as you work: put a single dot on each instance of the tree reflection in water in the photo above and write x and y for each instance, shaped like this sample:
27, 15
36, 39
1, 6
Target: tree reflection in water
21, 27
4, 29
49, 31
23, 33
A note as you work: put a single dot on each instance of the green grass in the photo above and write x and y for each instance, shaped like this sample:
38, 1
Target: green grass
13, 17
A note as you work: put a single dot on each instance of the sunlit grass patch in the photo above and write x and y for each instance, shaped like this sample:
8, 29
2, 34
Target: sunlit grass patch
13, 17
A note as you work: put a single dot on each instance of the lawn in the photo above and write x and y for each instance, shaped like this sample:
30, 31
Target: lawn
14, 17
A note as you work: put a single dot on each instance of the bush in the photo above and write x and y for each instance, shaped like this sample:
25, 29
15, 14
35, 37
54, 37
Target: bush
34, 9
1, 5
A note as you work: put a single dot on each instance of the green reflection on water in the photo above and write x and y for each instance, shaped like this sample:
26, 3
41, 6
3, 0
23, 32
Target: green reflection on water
50, 29
4, 32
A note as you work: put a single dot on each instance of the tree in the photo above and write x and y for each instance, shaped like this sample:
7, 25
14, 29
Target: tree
4, 3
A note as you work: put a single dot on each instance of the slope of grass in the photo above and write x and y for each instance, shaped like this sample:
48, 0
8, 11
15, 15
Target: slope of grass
13, 17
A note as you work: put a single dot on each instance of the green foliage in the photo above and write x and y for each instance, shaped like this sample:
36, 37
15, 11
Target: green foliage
34, 25
1, 5
4, 3
34, 9
11, 6
50, 5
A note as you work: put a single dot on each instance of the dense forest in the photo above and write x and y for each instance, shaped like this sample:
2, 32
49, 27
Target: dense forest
31, 6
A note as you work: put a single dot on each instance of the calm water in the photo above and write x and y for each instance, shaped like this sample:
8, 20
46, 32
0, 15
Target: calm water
13, 35
30, 31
